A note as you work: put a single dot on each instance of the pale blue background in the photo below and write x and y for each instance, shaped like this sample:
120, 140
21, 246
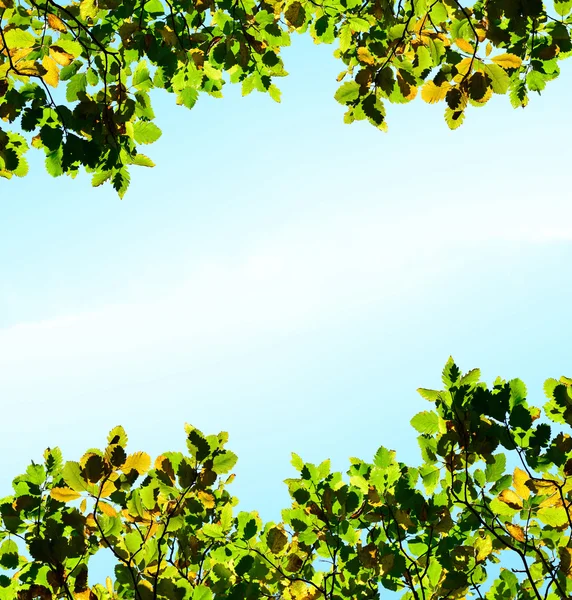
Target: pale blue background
285, 277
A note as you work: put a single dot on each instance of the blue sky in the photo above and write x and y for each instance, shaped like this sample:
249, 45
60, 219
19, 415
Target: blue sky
285, 277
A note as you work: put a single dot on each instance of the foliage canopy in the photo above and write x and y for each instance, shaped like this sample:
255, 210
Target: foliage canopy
434, 531
78, 75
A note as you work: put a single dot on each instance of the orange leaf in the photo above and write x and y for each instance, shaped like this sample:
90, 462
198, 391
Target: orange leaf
516, 531
56, 23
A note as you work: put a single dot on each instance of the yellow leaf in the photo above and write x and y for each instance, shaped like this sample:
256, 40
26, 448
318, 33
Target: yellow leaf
432, 93
52, 77
481, 32
88, 9
207, 499
109, 585
18, 54
107, 489
365, 56
64, 494
107, 509
140, 461
90, 521
30, 68
455, 117
552, 500
83, 506
62, 57
507, 61
519, 480
543, 486
464, 45
516, 531
488, 49
56, 23
463, 68
511, 499
484, 547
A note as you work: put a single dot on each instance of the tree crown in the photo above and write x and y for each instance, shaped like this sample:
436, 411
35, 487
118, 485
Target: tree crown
77, 76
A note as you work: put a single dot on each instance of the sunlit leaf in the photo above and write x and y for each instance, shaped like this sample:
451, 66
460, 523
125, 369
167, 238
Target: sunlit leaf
64, 494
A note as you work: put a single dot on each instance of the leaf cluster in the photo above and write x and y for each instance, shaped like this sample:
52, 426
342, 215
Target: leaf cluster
78, 76
495, 481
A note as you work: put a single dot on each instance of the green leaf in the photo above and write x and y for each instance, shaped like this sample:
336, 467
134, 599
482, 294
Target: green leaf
495, 468
451, 373
9, 556
425, 422
154, 7
141, 77
202, 592
499, 78
275, 93
430, 395
146, 132
213, 530
347, 92
73, 478
143, 161
100, 178
71, 46
76, 85
297, 462
88, 9
54, 163
224, 462
187, 97
18, 38
536, 81
359, 24
555, 517
430, 477
22, 169
562, 8
120, 181
384, 457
